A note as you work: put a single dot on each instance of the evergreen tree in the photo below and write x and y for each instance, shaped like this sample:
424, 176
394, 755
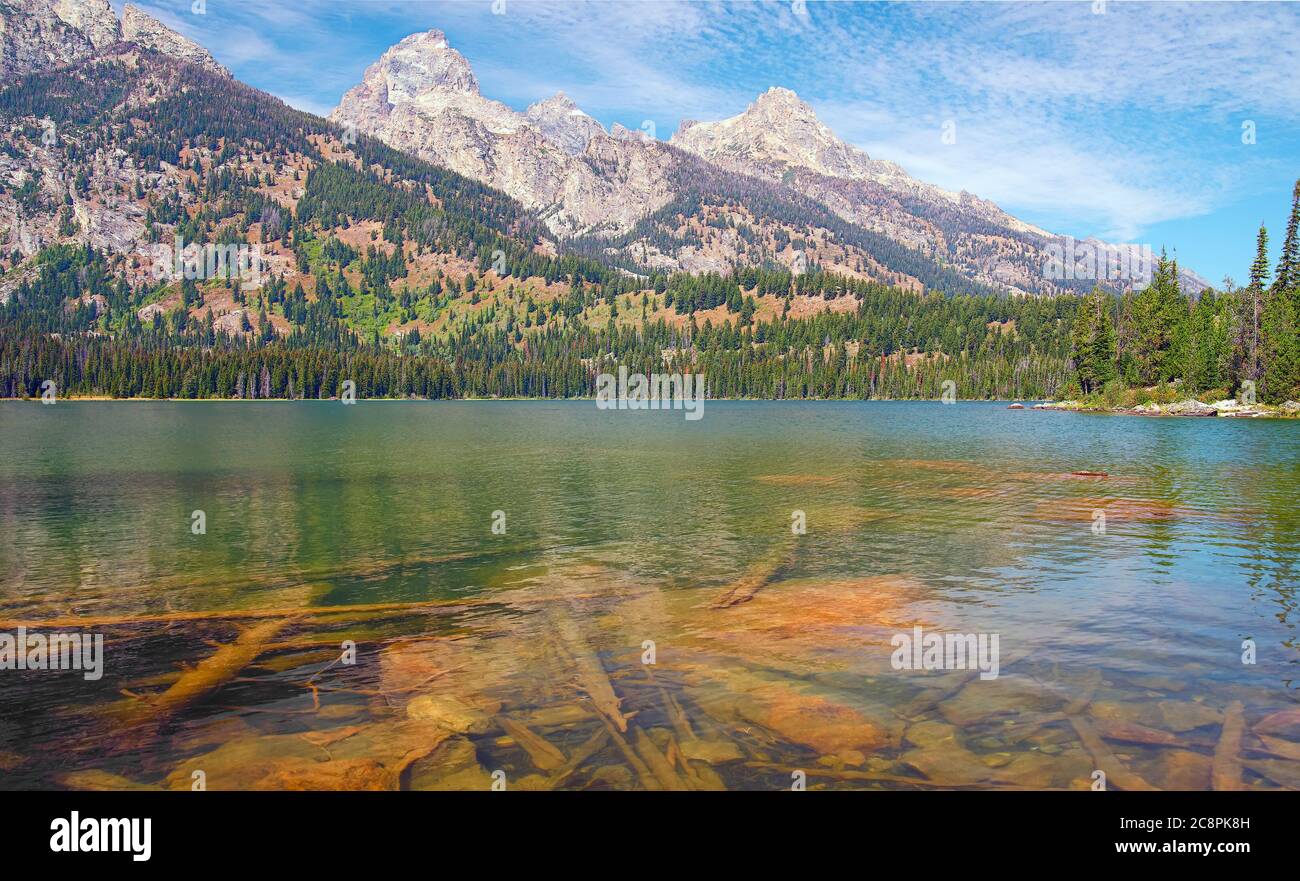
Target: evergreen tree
1155, 313
1280, 351
1093, 341
1252, 307
1288, 264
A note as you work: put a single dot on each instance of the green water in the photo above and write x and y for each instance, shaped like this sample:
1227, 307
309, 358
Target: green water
621, 529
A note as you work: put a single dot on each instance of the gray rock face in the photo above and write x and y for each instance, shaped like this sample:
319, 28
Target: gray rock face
94, 18
564, 123
422, 97
149, 33
33, 37
37, 35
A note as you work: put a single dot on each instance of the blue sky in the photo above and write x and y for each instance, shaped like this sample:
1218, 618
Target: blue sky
1124, 123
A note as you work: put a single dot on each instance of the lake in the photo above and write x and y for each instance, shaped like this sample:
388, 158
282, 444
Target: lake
534, 595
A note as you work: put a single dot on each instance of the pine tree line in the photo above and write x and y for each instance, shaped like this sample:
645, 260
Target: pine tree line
1218, 341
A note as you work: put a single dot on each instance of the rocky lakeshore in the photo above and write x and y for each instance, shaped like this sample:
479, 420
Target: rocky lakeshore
1229, 408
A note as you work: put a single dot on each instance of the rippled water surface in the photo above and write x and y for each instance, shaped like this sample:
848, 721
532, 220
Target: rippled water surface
638, 537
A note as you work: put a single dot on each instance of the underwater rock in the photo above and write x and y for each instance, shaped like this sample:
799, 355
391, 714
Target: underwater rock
948, 764
932, 734
811, 720
339, 775
1038, 771
1008, 695
1182, 770
1119, 711
797, 479
449, 712
244, 763
452, 767
1117, 510
1157, 683
817, 625
713, 752
1167, 715
1181, 716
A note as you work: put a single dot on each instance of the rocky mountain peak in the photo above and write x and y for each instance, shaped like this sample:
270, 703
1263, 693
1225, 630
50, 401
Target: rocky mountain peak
94, 18
422, 97
418, 65
778, 130
558, 101
149, 33
564, 122
779, 99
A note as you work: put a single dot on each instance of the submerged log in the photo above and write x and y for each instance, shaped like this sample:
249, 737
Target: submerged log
648, 780
1286, 774
543, 754
1277, 746
756, 577
696, 754
658, 765
356, 613
236, 614
148, 715
1285, 723
1225, 776
592, 678
1107, 761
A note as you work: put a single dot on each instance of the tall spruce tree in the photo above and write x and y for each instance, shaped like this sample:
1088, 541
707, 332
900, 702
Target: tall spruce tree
1288, 263
1252, 308
1280, 318
1093, 341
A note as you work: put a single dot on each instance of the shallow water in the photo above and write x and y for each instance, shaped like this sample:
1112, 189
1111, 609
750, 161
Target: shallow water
625, 536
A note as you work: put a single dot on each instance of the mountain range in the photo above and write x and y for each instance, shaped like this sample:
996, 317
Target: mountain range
770, 187
599, 186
